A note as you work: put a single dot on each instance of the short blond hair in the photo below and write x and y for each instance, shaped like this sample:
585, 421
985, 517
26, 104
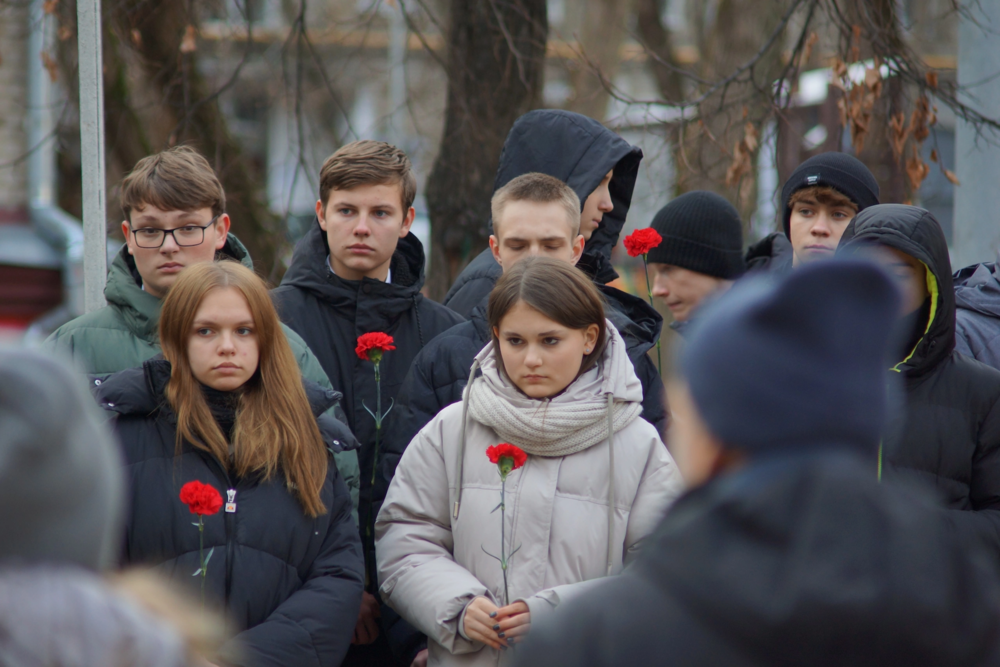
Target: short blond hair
177, 179
540, 189
368, 162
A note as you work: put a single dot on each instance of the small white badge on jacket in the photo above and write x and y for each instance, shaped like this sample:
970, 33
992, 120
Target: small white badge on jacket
231, 504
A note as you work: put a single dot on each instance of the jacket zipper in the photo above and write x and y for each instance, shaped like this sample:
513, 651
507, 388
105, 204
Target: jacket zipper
229, 521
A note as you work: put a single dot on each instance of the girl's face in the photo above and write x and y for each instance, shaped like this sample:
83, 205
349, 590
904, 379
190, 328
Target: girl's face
541, 356
222, 347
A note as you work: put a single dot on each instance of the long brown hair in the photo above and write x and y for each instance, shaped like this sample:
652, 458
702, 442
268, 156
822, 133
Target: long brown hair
275, 426
557, 290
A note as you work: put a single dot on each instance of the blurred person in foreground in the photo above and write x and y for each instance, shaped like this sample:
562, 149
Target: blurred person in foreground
701, 253
948, 436
788, 550
60, 510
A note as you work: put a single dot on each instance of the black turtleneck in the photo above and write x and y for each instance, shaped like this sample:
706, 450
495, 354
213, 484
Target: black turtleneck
223, 405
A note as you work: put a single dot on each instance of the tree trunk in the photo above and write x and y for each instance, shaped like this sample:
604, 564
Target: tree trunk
156, 31
496, 58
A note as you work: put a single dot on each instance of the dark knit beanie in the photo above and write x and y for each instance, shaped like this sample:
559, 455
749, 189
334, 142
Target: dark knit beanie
842, 172
796, 362
701, 232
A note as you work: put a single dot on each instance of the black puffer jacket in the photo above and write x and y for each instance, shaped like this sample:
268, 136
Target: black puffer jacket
789, 561
771, 253
948, 437
441, 371
292, 584
578, 151
330, 313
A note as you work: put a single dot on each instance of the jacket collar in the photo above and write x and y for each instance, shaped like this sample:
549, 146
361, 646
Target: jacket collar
309, 270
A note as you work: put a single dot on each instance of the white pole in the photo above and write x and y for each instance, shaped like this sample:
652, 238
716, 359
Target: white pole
95, 249
397, 72
977, 159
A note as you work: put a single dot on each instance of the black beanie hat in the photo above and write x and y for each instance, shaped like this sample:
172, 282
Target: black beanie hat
797, 362
701, 232
842, 172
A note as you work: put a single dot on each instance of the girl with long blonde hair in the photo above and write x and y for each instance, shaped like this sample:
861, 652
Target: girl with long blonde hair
226, 406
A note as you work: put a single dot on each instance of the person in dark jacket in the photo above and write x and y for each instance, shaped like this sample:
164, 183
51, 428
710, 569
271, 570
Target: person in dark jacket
948, 437
818, 201
359, 271
227, 407
580, 152
977, 320
701, 253
788, 550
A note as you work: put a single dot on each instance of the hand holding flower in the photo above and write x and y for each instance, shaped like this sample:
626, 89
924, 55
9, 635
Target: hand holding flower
513, 622
479, 621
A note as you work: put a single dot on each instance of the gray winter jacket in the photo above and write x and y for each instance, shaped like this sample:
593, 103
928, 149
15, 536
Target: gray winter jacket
977, 320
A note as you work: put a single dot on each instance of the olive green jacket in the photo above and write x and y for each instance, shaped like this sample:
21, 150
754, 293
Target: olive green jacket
123, 335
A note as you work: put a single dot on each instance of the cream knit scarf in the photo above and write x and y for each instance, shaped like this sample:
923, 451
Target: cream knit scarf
549, 428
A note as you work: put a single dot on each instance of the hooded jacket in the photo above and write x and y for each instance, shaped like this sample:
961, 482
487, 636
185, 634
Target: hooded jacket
124, 334
948, 435
792, 560
432, 563
771, 253
291, 583
578, 151
977, 320
330, 313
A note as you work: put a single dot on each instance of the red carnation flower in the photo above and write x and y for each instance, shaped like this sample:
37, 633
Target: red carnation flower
509, 457
372, 345
201, 499
642, 241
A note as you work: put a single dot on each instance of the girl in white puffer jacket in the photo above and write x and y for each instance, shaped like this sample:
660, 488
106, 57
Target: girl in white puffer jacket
553, 379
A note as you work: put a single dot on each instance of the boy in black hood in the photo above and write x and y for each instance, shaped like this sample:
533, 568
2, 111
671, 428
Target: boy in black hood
358, 271
788, 551
818, 201
582, 153
948, 437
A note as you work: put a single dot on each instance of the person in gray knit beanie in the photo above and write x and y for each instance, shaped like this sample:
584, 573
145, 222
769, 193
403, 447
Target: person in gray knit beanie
60, 475
701, 253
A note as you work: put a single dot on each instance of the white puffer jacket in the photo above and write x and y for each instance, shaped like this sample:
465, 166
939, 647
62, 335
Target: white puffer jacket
432, 565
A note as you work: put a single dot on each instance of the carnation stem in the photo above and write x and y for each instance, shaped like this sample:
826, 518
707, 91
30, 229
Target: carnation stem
378, 428
201, 555
649, 293
503, 537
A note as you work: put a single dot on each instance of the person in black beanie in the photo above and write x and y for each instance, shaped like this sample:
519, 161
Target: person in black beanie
701, 253
818, 201
788, 550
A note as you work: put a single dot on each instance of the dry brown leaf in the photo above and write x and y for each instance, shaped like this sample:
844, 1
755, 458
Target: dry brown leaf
750, 137
136, 37
742, 163
807, 49
932, 79
898, 134
950, 175
934, 155
839, 68
872, 77
65, 33
920, 120
49, 6
855, 43
51, 66
189, 44
916, 170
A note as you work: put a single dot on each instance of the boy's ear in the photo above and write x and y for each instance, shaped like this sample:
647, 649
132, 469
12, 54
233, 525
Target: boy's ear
578, 244
127, 233
407, 222
223, 222
495, 248
320, 214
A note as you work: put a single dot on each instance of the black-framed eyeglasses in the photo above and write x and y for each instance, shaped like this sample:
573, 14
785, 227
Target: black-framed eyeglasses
185, 237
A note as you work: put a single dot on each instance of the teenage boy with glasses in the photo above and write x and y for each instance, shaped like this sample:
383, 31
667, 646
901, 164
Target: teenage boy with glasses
174, 208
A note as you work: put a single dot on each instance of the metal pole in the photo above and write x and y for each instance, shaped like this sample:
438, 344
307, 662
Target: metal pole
977, 160
95, 249
397, 71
